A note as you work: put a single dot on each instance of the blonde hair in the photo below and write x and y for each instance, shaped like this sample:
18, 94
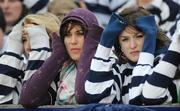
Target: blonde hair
61, 7
48, 20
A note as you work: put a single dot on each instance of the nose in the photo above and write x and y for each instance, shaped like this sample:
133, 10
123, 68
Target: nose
73, 39
133, 43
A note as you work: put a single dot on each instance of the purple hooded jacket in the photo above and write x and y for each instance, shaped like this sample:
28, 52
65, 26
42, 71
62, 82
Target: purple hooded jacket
35, 91
92, 38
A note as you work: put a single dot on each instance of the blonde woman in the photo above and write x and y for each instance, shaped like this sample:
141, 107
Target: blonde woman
30, 38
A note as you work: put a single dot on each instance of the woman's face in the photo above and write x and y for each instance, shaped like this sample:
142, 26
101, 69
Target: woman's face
12, 10
131, 42
74, 41
26, 40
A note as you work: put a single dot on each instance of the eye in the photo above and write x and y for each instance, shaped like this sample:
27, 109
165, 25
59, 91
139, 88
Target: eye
80, 32
139, 35
124, 39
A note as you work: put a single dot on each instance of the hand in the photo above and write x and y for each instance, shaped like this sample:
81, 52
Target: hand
115, 26
38, 37
14, 42
58, 48
148, 25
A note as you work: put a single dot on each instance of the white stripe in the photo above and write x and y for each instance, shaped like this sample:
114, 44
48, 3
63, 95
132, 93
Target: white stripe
103, 52
135, 91
99, 65
110, 98
174, 46
28, 74
146, 58
7, 81
6, 98
166, 69
142, 70
97, 88
125, 98
153, 92
43, 55
11, 61
53, 85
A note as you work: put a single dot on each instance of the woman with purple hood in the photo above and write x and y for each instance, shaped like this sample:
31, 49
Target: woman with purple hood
55, 81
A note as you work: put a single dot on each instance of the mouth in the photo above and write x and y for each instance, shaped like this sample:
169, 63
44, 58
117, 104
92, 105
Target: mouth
75, 50
134, 53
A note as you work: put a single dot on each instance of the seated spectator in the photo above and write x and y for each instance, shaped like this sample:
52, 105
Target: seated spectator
165, 11
54, 81
30, 38
37, 6
145, 71
102, 8
61, 7
14, 11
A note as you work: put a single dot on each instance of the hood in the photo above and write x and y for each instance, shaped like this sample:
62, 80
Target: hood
82, 15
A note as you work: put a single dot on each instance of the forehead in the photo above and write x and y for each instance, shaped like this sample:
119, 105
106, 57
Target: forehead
130, 30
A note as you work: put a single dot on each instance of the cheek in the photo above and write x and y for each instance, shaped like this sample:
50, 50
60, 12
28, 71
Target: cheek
82, 42
141, 43
123, 47
66, 43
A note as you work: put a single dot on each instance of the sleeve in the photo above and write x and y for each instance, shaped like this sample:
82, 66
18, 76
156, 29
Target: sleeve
37, 89
11, 68
100, 85
151, 85
11, 73
90, 44
162, 77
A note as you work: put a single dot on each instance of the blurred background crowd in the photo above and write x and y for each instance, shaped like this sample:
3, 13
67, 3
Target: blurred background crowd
167, 12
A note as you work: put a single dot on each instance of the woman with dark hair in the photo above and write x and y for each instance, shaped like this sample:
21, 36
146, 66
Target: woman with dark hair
14, 11
54, 81
145, 71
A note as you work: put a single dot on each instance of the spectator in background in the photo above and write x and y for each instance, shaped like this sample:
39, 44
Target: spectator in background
30, 38
166, 12
79, 32
2, 30
61, 7
14, 11
37, 6
102, 8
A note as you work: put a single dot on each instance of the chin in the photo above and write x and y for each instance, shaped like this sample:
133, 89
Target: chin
134, 59
75, 58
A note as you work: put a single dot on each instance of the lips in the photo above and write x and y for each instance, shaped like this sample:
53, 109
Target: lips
134, 53
75, 50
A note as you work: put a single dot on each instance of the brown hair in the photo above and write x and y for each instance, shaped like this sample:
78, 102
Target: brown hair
65, 28
130, 15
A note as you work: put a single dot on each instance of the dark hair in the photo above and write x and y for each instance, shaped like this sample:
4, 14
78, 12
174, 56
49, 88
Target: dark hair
2, 20
130, 15
25, 11
65, 28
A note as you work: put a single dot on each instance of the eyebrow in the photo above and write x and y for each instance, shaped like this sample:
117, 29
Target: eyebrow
124, 36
